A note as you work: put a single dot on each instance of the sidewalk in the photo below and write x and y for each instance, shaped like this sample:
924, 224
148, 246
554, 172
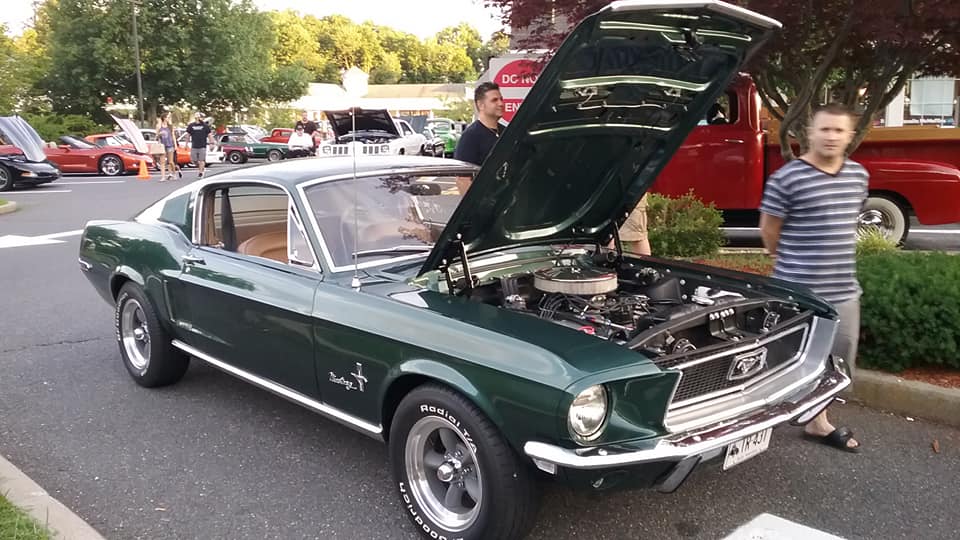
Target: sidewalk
24, 493
915, 399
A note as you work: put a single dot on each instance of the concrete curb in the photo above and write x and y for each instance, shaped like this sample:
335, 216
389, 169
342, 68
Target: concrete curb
9, 207
25, 494
911, 398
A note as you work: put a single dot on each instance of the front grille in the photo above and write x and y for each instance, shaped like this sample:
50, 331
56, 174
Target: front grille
716, 374
344, 150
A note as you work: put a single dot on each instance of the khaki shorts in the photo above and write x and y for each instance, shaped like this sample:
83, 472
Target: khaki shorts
198, 154
634, 229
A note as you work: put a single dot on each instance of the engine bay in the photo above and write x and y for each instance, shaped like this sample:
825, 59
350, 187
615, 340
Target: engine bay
644, 308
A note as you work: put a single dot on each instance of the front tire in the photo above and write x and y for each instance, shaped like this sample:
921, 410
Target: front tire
274, 155
457, 477
144, 343
6, 179
111, 165
887, 216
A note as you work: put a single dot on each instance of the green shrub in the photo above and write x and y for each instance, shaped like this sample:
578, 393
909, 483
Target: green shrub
910, 310
872, 241
683, 226
51, 126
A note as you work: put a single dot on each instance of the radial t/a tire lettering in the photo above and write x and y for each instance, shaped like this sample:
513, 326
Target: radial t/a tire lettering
456, 476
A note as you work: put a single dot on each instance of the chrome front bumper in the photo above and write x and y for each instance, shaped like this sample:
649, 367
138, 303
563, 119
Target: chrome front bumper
704, 442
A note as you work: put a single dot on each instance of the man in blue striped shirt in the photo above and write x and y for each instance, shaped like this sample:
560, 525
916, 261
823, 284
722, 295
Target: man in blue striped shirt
808, 221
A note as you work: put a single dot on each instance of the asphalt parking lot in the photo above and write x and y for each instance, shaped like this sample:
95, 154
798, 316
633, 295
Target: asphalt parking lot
212, 457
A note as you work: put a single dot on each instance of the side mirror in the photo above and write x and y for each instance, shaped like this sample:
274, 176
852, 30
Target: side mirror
64, 147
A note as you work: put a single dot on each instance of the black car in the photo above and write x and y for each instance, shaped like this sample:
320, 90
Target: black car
22, 160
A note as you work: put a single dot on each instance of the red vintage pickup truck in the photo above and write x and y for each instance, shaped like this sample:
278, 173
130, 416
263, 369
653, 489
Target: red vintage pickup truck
728, 164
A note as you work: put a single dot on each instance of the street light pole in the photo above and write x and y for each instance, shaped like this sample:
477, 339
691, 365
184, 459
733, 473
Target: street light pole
136, 58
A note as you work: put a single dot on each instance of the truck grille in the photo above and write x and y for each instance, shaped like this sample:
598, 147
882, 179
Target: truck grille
711, 375
344, 150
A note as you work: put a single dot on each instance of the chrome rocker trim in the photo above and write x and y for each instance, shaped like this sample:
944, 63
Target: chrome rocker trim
334, 414
701, 441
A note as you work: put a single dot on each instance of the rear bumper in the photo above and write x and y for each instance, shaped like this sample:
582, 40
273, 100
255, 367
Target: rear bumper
679, 453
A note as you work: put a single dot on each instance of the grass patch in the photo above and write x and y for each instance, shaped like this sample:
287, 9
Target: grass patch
2, 202
15, 524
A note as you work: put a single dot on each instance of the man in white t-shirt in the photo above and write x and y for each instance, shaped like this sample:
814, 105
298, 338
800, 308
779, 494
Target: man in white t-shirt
300, 144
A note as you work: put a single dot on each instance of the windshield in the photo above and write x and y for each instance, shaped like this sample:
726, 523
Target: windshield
404, 213
76, 143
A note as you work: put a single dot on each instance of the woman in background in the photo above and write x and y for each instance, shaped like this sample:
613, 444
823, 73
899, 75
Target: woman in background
165, 135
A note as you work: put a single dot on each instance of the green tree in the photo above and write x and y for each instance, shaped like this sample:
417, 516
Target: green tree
212, 54
497, 45
297, 42
467, 38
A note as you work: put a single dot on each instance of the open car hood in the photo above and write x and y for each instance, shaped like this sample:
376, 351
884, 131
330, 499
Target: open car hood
367, 120
606, 114
133, 134
21, 134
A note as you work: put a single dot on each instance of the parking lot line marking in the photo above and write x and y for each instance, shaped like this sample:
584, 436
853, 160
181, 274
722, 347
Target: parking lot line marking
771, 527
91, 182
13, 240
76, 232
37, 192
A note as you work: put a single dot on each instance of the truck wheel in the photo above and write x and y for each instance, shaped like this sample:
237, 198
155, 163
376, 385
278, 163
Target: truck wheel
456, 476
144, 343
886, 215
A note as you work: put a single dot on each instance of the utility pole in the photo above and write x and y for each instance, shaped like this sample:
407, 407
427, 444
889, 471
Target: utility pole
136, 58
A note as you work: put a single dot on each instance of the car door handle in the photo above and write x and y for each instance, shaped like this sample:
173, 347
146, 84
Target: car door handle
733, 141
191, 259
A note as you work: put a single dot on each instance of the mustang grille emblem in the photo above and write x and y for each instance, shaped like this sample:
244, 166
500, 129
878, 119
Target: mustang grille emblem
748, 364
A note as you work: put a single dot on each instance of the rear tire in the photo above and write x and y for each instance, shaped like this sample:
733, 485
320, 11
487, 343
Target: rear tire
145, 345
236, 158
457, 477
887, 216
274, 155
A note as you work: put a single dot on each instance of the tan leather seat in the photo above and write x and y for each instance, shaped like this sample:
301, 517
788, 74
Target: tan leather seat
271, 245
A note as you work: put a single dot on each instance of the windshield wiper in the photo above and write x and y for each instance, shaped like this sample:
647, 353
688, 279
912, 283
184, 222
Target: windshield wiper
392, 250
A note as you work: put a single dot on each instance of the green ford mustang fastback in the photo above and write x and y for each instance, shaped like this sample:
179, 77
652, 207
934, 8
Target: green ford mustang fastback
489, 338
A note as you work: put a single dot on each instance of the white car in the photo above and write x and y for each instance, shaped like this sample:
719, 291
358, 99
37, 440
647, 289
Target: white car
374, 132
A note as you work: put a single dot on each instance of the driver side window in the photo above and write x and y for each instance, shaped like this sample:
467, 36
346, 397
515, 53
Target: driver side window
253, 220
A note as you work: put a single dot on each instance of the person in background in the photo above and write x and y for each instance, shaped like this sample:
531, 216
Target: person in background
479, 137
808, 222
633, 232
200, 137
165, 134
300, 144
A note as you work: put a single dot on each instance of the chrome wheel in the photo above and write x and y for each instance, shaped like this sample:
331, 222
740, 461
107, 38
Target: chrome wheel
274, 155
235, 157
445, 478
135, 335
111, 166
885, 216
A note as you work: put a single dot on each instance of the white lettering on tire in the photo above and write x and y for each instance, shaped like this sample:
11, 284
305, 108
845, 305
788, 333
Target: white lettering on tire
408, 502
440, 411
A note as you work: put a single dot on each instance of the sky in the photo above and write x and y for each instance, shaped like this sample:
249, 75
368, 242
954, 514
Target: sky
424, 18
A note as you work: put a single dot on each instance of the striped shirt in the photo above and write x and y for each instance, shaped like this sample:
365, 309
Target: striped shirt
818, 241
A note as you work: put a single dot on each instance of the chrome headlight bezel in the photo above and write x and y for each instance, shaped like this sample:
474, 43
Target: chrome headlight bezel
593, 401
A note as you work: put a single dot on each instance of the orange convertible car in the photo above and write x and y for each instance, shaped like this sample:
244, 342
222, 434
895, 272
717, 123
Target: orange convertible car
75, 155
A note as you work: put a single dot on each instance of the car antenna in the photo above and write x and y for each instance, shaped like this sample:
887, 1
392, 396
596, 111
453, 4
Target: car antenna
355, 282
354, 82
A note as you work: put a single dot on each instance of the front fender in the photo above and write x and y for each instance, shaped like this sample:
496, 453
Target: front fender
932, 189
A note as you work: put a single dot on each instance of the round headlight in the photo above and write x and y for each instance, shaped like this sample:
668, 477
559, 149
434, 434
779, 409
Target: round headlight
327, 149
384, 148
587, 412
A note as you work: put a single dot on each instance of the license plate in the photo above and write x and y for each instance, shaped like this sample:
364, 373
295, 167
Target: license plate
746, 448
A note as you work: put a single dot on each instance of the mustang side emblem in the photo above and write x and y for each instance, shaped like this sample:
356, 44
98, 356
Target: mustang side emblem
360, 383
748, 364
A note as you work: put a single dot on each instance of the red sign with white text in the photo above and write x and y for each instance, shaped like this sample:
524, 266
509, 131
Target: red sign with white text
510, 106
518, 74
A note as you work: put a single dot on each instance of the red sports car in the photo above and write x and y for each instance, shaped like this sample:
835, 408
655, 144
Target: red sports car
75, 155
